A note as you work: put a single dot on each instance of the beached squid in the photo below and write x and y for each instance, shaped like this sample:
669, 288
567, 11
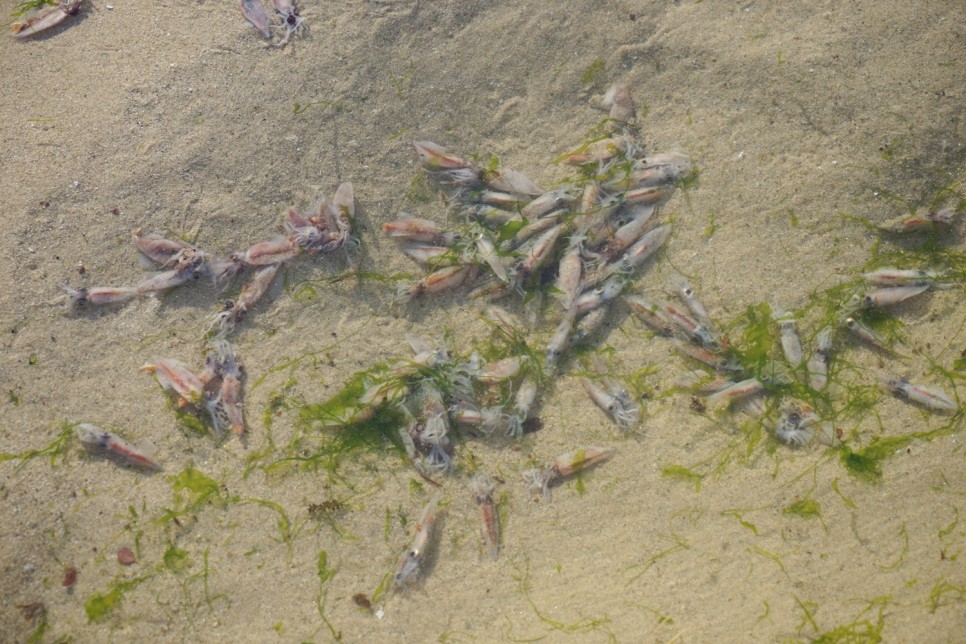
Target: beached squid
46, 17
255, 14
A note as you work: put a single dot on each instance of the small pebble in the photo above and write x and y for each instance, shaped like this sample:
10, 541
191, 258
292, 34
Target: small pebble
70, 577
125, 556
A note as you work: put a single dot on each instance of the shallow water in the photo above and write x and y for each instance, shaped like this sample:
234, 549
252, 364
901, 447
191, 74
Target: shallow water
802, 121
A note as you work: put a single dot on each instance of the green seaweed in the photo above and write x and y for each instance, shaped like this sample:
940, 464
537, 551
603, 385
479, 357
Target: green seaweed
299, 108
849, 503
942, 533
770, 555
340, 409
585, 625
401, 82
203, 575
712, 226
743, 446
256, 458
860, 629
755, 343
325, 574
190, 420
508, 230
192, 490
283, 524
419, 190
373, 431
902, 554
100, 605
679, 544
806, 508
681, 473
943, 589
864, 463
57, 448
856, 401
808, 608
889, 150
736, 514
176, 560
278, 402
860, 465
594, 74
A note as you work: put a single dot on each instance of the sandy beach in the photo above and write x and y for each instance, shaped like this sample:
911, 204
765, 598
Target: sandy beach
809, 125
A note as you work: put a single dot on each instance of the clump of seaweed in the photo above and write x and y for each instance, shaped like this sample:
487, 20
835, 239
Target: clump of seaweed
58, 448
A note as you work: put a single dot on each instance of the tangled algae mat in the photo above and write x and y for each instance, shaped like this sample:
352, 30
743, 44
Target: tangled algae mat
804, 123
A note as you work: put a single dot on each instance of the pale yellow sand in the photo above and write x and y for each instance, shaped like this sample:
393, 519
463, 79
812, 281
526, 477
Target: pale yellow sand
177, 118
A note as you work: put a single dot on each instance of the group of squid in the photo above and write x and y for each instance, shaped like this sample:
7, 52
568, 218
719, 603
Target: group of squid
581, 244
215, 391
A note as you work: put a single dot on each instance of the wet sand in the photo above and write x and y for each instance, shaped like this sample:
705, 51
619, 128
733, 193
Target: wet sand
177, 118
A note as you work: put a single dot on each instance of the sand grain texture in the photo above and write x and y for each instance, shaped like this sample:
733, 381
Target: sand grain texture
177, 118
